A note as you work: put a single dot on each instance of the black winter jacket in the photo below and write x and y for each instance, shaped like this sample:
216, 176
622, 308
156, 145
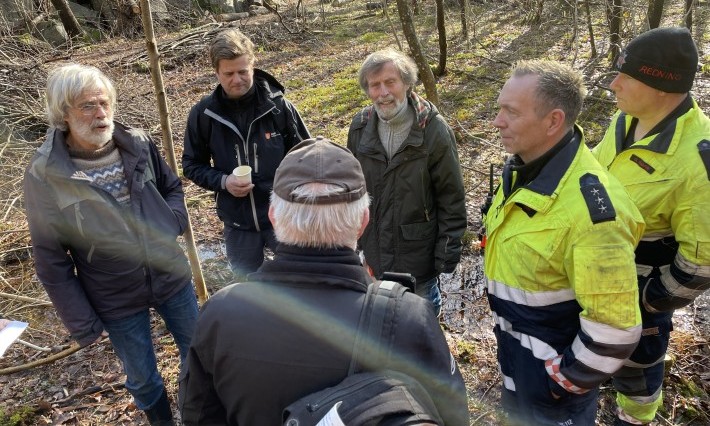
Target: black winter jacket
418, 211
288, 332
210, 136
95, 259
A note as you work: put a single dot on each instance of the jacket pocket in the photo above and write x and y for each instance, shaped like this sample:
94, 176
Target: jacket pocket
415, 253
535, 256
418, 231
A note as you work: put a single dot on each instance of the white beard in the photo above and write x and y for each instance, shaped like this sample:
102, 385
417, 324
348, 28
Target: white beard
87, 134
392, 109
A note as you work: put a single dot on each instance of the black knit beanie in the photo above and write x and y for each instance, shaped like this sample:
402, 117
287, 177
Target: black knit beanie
663, 58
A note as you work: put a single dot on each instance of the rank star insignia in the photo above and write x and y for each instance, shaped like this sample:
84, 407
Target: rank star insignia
596, 198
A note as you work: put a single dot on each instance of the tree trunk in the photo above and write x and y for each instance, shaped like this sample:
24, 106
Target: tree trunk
613, 13
68, 19
128, 17
464, 18
592, 44
157, 75
689, 13
425, 73
441, 26
654, 13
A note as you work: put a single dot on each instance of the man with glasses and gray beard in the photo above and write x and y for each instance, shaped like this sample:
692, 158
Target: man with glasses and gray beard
104, 211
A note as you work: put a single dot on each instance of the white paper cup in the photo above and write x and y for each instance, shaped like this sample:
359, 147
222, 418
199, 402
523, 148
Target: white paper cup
243, 174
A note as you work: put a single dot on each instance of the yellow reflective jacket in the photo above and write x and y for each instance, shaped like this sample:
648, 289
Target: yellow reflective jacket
561, 276
667, 175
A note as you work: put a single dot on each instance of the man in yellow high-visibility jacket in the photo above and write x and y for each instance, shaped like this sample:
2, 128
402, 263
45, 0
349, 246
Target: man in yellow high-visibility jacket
658, 146
560, 256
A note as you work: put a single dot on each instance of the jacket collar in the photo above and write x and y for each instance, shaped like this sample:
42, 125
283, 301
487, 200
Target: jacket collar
301, 265
129, 141
267, 89
662, 142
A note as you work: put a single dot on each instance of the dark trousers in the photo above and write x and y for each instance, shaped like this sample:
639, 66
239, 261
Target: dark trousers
245, 249
639, 381
573, 410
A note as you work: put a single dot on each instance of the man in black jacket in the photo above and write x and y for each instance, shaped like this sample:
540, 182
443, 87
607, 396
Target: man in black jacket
290, 330
104, 211
246, 121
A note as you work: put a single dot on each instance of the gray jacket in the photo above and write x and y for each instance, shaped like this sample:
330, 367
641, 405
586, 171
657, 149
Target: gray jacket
96, 259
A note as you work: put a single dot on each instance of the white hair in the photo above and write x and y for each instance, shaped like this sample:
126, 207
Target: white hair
318, 225
67, 83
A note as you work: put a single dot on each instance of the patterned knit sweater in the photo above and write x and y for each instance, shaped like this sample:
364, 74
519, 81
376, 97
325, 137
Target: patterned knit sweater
104, 167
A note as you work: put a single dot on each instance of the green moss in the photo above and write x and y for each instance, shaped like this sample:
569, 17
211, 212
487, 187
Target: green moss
21, 416
373, 37
688, 388
333, 99
466, 350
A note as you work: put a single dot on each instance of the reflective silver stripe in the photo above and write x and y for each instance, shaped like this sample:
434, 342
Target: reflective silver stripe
227, 123
605, 364
253, 211
643, 400
629, 363
691, 268
675, 288
643, 270
508, 382
656, 237
529, 298
540, 349
604, 333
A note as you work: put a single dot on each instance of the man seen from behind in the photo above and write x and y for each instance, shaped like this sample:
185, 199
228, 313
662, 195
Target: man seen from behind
289, 331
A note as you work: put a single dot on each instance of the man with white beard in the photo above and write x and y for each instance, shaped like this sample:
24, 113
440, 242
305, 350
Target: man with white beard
104, 211
408, 154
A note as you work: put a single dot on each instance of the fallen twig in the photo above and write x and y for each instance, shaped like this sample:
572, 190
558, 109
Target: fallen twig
26, 299
66, 352
88, 391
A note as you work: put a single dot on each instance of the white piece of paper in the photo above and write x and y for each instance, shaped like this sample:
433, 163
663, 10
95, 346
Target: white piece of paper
10, 333
332, 418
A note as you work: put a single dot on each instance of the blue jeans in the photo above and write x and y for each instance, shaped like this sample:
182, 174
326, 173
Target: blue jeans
245, 249
132, 342
430, 291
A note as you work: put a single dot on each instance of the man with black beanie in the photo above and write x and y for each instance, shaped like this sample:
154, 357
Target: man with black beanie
658, 146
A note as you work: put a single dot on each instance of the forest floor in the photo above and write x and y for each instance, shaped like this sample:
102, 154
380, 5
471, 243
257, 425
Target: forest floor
316, 56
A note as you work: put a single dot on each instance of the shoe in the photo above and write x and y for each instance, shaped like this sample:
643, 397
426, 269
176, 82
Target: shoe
160, 414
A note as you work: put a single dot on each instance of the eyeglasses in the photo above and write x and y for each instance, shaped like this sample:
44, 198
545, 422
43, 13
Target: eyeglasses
91, 107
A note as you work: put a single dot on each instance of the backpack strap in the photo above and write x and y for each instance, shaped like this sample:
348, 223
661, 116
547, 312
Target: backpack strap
375, 330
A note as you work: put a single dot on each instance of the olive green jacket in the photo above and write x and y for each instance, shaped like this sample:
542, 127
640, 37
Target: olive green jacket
418, 212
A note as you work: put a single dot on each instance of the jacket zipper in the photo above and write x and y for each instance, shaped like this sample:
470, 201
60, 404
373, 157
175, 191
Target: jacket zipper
256, 166
426, 210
